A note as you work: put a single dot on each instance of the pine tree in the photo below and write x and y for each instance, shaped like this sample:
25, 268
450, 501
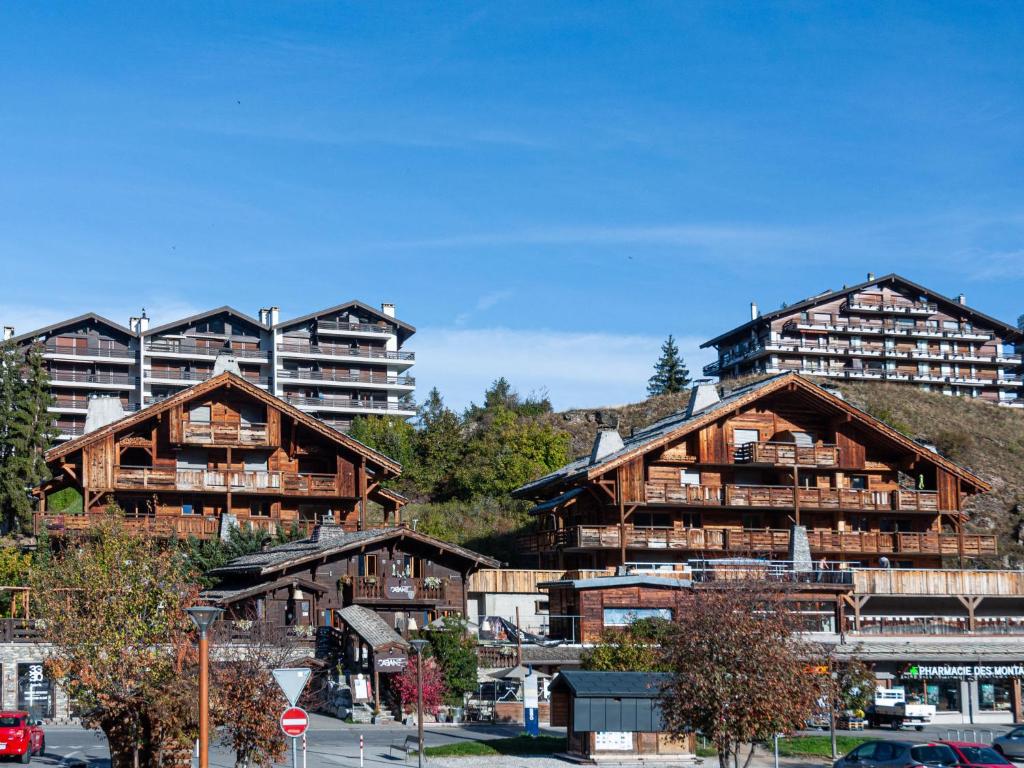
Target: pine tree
440, 445
670, 372
27, 433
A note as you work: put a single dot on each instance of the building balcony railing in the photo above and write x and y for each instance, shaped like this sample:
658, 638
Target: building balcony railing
58, 350
344, 403
326, 350
782, 497
840, 325
162, 346
773, 540
106, 379
206, 433
398, 589
223, 481
935, 625
187, 378
889, 307
344, 327
903, 582
787, 454
347, 378
63, 403
162, 526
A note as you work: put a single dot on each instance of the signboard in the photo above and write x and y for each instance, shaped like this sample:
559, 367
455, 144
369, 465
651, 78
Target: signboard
393, 660
613, 741
531, 718
963, 671
294, 722
35, 691
399, 589
291, 680
360, 688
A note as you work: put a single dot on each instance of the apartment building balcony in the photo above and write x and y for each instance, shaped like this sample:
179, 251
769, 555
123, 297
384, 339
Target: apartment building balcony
53, 351
175, 350
173, 377
889, 307
366, 330
1007, 358
179, 526
787, 454
773, 540
344, 354
782, 497
207, 433
715, 368
363, 379
222, 481
68, 431
74, 404
113, 381
885, 329
348, 405
1009, 379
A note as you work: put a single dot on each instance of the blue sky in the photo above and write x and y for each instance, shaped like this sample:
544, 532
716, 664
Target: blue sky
544, 189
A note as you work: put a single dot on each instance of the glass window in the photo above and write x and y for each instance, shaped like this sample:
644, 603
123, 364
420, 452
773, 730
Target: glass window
933, 754
623, 617
865, 751
255, 461
994, 695
984, 756
885, 751
744, 436
199, 414
944, 694
689, 477
859, 482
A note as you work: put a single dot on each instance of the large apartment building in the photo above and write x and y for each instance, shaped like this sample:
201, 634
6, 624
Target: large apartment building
884, 329
334, 364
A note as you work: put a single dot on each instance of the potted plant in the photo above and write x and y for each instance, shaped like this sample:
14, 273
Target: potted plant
432, 582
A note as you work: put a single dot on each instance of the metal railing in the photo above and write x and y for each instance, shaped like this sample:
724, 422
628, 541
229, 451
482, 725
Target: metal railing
344, 351
172, 347
339, 325
354, 378
74, 377
51, 348
344, 402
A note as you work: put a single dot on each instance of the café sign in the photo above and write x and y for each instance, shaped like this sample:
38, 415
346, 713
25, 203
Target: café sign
397, 589
391, 661
937, 671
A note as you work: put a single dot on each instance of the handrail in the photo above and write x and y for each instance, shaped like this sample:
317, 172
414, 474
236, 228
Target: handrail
339, 325
201, 351
338, 351
51, 348
93, 378
344, 402
357, 378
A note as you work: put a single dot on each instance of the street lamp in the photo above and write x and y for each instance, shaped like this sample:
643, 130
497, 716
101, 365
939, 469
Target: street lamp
418, 646
203, 616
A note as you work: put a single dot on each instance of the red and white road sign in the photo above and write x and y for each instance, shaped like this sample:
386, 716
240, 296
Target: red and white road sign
294, 721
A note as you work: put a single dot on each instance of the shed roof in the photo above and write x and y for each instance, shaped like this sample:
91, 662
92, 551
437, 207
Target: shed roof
371, 627
625, 685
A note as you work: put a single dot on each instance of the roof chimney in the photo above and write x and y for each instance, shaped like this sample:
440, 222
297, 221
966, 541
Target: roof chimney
133, 324
8, 332
703, 395
871, 276
606, 442
754, 314
226, 362
143, 322
103, 410
388, 309
962, 299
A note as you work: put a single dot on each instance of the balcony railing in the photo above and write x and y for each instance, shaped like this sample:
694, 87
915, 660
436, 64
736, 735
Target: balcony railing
223, 433
338, 325
787, 454
346, 378
866, 304
773, 540
59, 349
172, 374
195, 350
222, 481
344, 351
82, 404
400, 589
935, 625
782, 497
344, 402
162, 525
75, 377
840, 325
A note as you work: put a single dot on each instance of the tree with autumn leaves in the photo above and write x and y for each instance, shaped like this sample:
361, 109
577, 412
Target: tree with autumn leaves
113, 610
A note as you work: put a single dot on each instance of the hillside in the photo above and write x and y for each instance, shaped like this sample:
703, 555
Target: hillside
985, 438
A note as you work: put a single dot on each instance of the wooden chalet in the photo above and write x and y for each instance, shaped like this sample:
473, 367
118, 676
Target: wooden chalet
735, 477
219, 453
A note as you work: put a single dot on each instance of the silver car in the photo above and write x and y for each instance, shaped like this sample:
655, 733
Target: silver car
1010, 744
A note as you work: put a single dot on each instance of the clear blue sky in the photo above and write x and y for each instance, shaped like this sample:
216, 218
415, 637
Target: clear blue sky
545, 189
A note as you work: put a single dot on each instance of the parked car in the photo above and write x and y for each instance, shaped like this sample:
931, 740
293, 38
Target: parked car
899, 754
1010, 744
973, 755
21, 736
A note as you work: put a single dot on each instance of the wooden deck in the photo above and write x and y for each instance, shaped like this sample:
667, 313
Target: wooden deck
162, 526
940, 583
199, 433
788, 454
782, 497
222, 481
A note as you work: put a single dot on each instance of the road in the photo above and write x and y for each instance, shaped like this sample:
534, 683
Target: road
330, 743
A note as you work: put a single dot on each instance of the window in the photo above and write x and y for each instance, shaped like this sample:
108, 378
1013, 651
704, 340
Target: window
623, 617
199, 414
744, 436
689, 477
859, 482
994, 695
368, 565
260, 508
255, 461
983, 756
192, 458
250, 414
752, 520
652, 520
540, 606
822, 317
932, 754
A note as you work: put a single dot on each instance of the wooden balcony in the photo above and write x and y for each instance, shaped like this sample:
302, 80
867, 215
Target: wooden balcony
161, 526
205, 433
387, 589
937, 583
788, 454
782, 497
222, 481
773, 540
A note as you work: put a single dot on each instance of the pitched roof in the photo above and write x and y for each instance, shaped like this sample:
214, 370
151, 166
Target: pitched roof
371, 627
332, 539
71, 321
229, 595
203, 315
1011, 332
620, 685
681, 423
231, 379
409, 329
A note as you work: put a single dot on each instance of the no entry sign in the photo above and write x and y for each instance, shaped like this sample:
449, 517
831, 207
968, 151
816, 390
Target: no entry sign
294, 721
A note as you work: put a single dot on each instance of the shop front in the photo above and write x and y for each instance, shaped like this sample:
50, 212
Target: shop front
961, 693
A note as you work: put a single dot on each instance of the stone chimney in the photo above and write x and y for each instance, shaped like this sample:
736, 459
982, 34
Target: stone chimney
103, 410
269, 316
606, 442
754, 313
962, 299
139, 325
144, 321
703, 394
871, 276
388, 309
8, 332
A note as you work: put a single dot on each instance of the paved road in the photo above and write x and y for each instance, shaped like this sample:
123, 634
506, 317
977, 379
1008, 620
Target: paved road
981, 732
330, 743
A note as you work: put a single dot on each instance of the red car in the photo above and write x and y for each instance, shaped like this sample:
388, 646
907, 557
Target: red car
974, 755
21, 736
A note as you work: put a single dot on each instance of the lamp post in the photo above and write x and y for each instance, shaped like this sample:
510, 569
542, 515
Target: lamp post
203, 616
418, 645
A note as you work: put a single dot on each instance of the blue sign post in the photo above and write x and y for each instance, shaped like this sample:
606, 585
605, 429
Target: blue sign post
531, 708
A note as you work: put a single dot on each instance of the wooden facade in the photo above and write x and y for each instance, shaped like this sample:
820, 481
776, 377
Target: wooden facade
888, 329
733, 479
221, 452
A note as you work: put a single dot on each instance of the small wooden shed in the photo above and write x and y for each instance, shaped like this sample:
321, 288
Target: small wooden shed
613, 714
